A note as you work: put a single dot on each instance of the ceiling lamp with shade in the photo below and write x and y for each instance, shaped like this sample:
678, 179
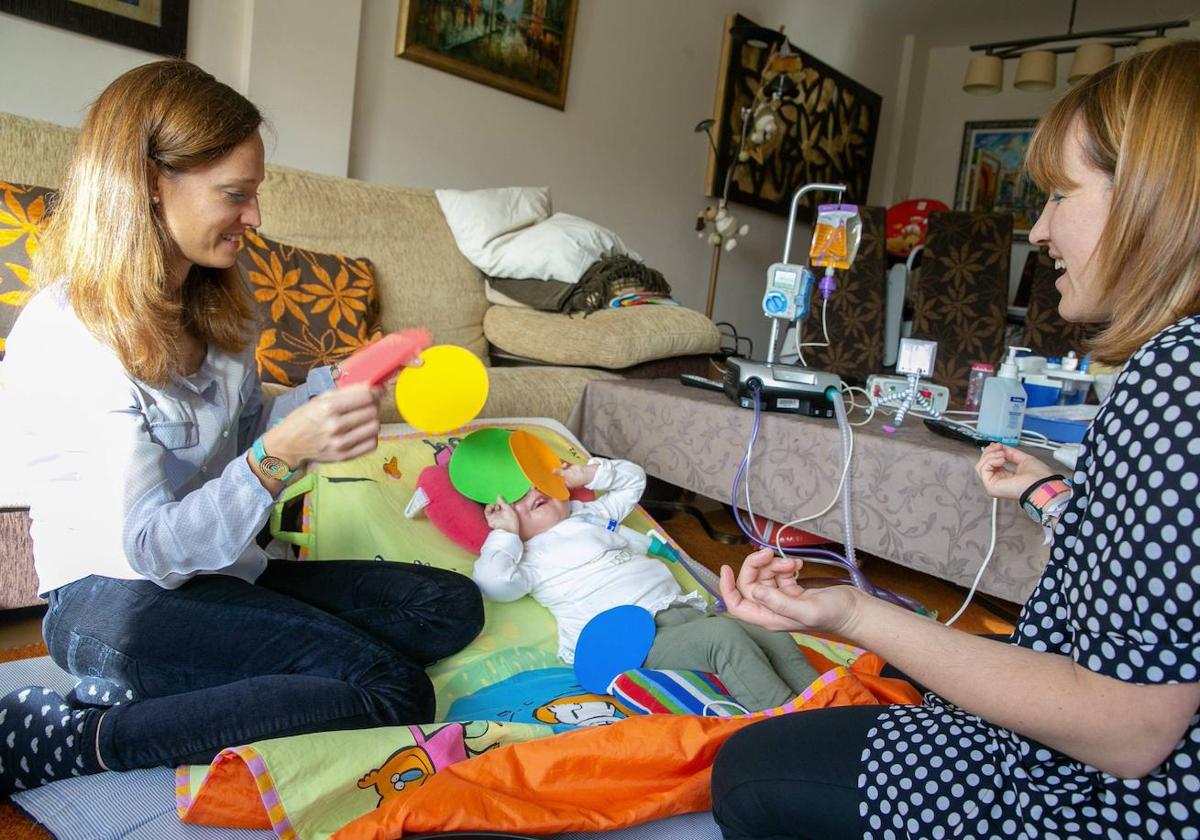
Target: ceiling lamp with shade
1037, 58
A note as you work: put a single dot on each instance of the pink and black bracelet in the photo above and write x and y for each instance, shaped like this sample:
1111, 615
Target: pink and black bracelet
1045, 499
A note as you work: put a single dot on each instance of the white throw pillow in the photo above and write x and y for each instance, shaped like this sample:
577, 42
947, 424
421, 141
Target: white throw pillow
561, 248
501, 234
476, 217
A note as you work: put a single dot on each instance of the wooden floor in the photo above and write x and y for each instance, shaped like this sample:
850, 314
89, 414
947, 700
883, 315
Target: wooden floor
984, 615
19, 628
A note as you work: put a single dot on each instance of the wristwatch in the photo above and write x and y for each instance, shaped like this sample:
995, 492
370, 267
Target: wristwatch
271, 466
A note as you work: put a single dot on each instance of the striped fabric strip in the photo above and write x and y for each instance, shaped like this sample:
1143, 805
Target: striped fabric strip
305, 523
280, 824
649, 691
816, 687
674, 692
267, 792
183, 789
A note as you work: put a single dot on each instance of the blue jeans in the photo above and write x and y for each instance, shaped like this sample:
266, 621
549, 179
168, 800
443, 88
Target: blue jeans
218, 662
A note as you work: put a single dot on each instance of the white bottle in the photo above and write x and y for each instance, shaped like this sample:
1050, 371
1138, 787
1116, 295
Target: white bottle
1002, 409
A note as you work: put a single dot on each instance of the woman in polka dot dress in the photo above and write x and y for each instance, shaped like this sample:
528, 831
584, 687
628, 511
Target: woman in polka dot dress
1085, 724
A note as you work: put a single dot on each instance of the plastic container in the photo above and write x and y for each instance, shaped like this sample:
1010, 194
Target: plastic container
1029, 364
1041, 390
1002, 408
1075, 387
980, 371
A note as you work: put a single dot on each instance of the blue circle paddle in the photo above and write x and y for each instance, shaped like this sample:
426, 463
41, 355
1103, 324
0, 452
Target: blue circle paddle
615, 641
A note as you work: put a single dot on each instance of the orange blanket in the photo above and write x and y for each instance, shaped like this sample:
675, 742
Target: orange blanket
592, 779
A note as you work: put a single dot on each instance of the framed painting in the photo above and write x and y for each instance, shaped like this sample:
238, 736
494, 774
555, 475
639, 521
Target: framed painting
157, 26
519, 46
825, 127
991, 172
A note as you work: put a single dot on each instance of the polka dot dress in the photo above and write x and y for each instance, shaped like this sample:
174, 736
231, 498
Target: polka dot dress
1119, 596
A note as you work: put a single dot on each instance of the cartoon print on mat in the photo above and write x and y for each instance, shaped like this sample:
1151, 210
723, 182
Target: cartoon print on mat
582, 710
392, 467
541, 695
410, 767
442, 450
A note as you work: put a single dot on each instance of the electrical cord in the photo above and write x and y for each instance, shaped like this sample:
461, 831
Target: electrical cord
824, 331
868, 407
737, 339
978, 575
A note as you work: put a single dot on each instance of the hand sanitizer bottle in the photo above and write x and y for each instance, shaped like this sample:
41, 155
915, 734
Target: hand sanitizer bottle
1002, 409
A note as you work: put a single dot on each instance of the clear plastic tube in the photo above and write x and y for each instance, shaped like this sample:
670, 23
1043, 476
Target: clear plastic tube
816, 555
839, 410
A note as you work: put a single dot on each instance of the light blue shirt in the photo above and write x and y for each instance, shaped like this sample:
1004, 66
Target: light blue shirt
132, 481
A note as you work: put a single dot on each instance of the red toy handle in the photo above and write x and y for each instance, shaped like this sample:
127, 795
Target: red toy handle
377, 361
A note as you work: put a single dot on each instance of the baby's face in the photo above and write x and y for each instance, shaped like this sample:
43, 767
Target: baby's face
538, 513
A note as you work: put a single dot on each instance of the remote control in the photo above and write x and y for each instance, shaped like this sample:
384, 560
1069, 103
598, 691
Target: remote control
956, 432
701, 382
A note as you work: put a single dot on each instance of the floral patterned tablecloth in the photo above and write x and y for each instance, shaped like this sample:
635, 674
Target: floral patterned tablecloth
917, 500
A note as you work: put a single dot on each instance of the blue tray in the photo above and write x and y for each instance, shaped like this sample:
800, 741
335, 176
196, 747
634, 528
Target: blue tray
1058, 429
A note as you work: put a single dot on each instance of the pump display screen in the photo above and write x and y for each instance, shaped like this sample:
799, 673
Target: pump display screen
916, 356
785, 280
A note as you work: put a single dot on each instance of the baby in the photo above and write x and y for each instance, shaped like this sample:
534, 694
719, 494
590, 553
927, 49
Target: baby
561, 553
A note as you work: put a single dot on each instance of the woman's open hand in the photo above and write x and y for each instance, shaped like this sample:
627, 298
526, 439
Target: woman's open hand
1003, 483
765, 592
336, 425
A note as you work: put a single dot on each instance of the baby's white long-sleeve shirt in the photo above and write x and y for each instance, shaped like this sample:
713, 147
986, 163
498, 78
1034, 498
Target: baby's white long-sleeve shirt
579, 569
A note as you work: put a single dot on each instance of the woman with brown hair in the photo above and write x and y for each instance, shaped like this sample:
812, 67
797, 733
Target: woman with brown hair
1085, 723
154, 463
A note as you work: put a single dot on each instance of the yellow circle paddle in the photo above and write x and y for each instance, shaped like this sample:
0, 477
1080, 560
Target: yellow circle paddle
446, 392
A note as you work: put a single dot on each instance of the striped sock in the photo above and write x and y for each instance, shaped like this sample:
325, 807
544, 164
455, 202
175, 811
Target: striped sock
42, 739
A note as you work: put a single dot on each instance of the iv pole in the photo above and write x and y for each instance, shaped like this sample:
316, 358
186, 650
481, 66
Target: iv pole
776, 336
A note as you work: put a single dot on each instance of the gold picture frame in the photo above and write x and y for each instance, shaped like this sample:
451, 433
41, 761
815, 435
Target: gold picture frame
158, 26
522, 47
992, 176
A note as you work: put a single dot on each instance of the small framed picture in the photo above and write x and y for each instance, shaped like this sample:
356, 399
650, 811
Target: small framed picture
991, 173
522, 48
157, 26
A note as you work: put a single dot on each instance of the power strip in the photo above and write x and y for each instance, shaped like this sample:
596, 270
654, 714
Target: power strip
882, 386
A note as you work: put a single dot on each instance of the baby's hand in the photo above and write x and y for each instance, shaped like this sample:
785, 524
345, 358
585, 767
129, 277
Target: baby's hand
501, 517
577, 475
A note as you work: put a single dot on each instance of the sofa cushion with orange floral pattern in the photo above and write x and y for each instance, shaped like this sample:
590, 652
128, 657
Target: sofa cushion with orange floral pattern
22, 214
314, 309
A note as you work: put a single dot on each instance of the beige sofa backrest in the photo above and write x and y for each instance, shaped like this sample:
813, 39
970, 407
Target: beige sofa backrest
423, 279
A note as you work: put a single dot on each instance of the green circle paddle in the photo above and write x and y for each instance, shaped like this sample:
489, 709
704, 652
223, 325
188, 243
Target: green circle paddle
483, 467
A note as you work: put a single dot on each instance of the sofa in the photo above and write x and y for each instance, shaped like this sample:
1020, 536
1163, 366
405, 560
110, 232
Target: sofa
421, 280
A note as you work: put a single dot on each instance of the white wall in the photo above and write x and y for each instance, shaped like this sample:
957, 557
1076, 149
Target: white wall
62, 72
302, 59
944, 109
294, 58
623, 152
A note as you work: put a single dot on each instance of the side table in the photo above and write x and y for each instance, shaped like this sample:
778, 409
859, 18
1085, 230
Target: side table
917, 500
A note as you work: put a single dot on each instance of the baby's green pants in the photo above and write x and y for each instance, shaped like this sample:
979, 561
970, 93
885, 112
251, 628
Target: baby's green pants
761, 668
